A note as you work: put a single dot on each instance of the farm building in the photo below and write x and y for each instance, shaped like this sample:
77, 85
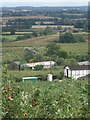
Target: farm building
76, 71
84, 63
15, 65
45, 64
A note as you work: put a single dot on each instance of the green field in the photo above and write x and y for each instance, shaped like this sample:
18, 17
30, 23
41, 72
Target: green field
77, 48
12, 53
10, 38
43, 73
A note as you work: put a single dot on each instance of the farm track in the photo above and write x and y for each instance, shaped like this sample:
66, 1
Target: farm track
33, 41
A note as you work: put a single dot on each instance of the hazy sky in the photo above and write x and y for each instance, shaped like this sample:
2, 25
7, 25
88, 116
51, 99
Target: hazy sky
44, 2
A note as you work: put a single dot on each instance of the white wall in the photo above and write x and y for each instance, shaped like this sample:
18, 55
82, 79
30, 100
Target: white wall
76, 73
79, 73
65, 72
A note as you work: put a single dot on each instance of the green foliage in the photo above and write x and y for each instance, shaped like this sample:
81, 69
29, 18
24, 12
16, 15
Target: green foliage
83, 57
35, 34
32, 55
68, 37
60, 76
55, 53
67, 99
64, 99
13, 32
52, 49
79, 38
23, 37
4, 40
39, 67
48, 30
60, 61
10, 96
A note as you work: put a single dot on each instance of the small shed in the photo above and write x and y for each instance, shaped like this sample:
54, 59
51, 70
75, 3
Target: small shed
15, 65
76, 71
29, 78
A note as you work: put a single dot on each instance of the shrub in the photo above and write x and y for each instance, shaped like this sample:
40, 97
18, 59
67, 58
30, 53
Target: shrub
38, 67
68, 37
10, 96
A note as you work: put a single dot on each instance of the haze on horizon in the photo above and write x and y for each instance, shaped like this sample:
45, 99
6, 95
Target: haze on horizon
15, 3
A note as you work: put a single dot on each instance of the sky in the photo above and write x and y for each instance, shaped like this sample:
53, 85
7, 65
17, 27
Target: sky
13, 3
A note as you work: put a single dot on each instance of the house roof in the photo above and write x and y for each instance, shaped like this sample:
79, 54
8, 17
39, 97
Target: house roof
16, 62
45, 63
78, 67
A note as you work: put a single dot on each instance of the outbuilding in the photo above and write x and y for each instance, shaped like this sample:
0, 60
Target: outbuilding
76, 71
15, 65
45, 64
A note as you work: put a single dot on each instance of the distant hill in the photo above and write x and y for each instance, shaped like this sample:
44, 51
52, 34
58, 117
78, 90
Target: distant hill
45, 8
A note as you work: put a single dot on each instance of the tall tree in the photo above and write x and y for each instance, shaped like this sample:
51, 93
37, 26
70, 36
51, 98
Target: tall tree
68, 37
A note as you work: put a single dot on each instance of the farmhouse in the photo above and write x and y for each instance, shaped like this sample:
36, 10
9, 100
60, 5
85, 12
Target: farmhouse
45, 64
15, 65
77, 71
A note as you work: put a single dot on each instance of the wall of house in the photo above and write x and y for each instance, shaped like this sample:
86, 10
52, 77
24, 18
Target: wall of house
79, 73
69, 72
75, 73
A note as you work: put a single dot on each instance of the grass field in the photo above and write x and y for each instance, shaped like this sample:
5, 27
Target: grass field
77, 48
10, 37
37, 41
43, 73
11, 53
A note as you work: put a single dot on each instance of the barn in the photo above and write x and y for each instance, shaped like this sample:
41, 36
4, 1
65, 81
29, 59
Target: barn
15, 65
76, 71
45, 64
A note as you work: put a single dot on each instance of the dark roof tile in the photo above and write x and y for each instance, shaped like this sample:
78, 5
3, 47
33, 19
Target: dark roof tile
79, 67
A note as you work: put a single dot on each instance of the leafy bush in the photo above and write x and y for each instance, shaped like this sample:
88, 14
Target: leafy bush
10, 96
26, 36
68, 37
38, 67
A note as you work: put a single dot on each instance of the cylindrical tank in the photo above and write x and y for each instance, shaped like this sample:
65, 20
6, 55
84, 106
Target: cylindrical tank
49, 77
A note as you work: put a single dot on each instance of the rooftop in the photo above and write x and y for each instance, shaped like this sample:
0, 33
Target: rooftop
79, 67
